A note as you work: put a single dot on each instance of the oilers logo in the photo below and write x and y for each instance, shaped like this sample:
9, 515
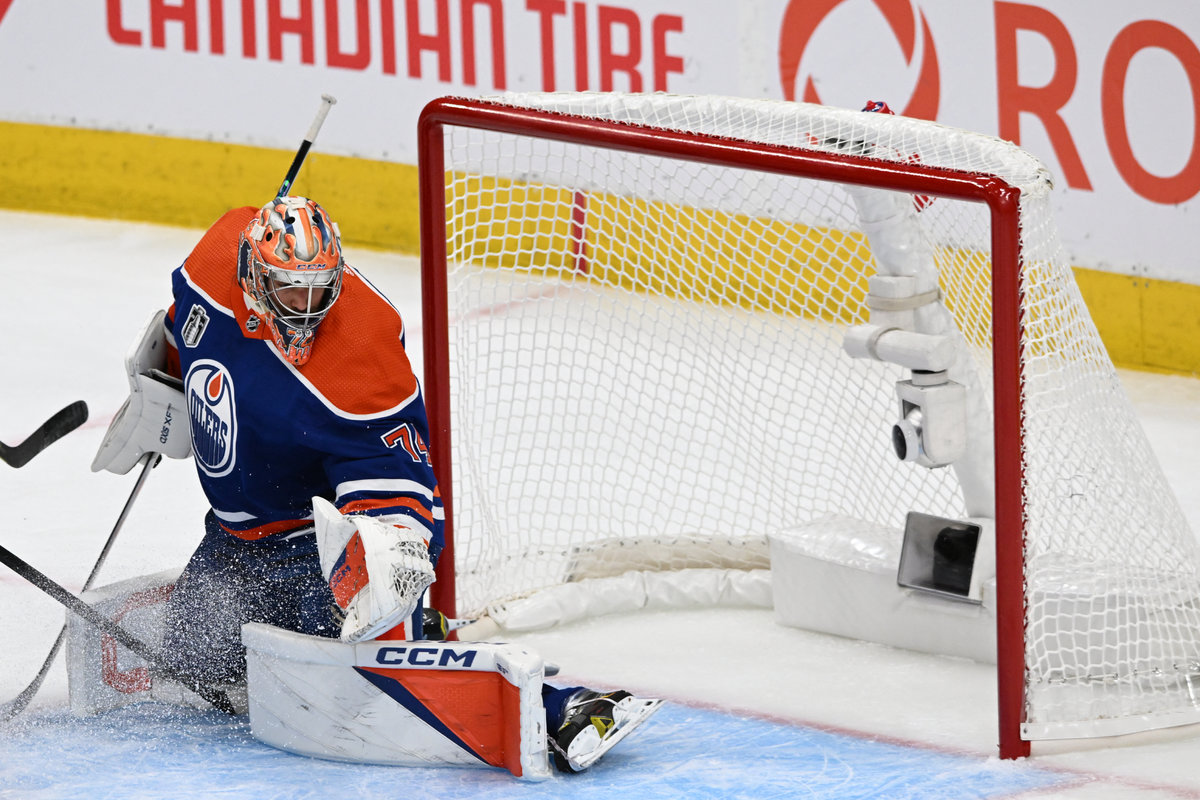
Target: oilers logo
209, 391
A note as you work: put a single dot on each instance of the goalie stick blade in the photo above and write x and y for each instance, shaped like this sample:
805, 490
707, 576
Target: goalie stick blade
51, 430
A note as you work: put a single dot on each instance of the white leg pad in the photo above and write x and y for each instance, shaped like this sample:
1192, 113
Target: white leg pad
398, 702
102, 675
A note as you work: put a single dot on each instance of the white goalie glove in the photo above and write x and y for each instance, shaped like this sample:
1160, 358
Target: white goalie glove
154, 418
377, 571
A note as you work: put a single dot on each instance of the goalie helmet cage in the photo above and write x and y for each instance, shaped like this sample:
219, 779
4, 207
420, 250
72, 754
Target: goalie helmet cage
634, 311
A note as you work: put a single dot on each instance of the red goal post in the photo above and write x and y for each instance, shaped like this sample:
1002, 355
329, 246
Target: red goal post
824, 148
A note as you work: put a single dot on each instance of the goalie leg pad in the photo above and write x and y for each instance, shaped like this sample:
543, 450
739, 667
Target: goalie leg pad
406, 703
376, 571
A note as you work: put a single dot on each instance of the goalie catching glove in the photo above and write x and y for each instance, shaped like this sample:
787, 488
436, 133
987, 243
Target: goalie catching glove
377, 571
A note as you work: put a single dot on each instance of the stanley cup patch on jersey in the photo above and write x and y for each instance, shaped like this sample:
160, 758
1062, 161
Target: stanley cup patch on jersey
211, 408
195, 325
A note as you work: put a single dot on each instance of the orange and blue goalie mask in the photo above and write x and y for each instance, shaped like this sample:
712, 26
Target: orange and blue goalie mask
290, 268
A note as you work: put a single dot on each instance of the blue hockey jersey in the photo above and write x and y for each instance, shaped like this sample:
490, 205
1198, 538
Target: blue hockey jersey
349, 425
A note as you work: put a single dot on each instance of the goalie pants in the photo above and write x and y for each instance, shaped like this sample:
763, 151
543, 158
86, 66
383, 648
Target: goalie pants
554, 700
229, 582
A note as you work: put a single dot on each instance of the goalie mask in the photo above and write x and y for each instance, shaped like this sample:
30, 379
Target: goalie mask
290, 268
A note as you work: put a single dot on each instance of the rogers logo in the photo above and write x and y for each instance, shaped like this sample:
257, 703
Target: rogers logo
801, 19
4, 6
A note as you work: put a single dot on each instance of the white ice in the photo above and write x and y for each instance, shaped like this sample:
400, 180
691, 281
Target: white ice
77, 290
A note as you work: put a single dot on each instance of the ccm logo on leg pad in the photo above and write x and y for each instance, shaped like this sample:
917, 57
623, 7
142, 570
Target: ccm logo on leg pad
425, 657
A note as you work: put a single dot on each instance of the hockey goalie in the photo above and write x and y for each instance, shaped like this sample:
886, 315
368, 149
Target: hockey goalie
325, 520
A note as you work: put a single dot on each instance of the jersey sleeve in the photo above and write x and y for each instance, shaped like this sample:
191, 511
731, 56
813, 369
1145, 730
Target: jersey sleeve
375, 426
386, 473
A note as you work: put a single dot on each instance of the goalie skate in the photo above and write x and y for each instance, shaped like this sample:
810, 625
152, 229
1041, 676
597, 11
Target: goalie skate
594, 723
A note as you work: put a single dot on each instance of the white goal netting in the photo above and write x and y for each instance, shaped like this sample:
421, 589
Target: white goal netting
647, 374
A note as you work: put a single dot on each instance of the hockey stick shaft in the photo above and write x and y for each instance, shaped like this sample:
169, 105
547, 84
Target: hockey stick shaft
149, 462
18, 704
50, 431
327, 102
130, 642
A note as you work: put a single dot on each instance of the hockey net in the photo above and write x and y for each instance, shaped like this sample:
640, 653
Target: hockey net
635, 314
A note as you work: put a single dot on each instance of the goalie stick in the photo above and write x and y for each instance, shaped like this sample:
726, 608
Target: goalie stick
53, 429
327, 102
18, 704
213, 696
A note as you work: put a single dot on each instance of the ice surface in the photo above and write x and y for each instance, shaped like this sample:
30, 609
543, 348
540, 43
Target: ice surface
757, 710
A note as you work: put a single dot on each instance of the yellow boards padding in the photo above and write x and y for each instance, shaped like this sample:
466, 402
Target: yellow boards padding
190, 183
694, 254
711, 256
511, 224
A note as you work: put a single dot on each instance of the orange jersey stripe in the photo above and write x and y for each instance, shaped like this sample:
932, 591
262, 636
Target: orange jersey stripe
251, 534
388, 502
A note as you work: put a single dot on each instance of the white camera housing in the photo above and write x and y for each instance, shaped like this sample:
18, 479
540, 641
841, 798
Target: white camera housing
932, 430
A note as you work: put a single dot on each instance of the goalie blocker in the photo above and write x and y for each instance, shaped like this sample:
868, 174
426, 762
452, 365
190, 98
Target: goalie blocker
153, 418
